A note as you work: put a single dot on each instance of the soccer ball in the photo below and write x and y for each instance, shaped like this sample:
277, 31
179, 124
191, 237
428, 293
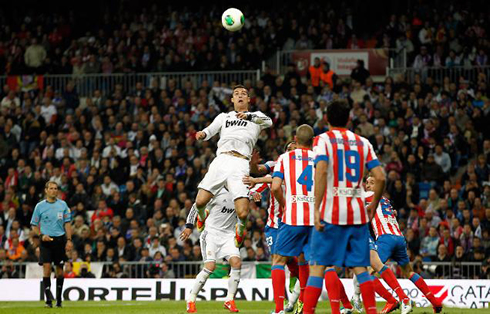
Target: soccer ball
233, 19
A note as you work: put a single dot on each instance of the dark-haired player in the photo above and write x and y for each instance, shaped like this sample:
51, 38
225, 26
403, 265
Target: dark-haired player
341, 234
239, 131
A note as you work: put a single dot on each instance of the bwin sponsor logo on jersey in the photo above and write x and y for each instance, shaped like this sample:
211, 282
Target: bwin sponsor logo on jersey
236, 123
227, 210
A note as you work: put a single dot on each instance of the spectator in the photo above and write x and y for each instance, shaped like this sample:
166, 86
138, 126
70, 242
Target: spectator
428, 247
359, 73
34, 56
85, 272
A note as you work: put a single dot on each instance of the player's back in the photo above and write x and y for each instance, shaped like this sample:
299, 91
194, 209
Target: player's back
222, 217
347, 155
296, 170
384, 221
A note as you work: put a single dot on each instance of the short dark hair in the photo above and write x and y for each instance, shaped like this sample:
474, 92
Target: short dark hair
338, 113
239, 86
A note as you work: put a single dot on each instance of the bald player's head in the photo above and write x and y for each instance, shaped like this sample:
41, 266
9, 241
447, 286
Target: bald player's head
304, 135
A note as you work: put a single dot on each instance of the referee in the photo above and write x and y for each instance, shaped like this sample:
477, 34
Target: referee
53, 216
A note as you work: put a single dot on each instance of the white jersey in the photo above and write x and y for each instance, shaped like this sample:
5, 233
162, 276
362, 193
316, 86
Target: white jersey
237, 134
222, 217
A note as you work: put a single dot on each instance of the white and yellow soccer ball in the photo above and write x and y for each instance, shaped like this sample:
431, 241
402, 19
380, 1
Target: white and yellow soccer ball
233, 19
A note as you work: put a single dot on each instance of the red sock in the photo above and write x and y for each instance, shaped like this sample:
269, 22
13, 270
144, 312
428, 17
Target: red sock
390, 279
367, 292
304, 272
420, 283
343, 296
381, 290
312, 293
278, 282
333, 289
293, 267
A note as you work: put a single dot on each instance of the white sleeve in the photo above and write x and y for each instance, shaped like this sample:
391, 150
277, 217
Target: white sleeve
214, 127
261, 119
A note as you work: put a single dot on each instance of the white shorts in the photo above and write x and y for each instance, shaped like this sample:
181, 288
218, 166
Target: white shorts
215, 247
227, 170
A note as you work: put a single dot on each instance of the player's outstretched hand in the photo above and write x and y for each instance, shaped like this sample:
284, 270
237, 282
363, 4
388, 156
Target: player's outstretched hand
200, 135
242, 115
185, 234
248, 180
318, 224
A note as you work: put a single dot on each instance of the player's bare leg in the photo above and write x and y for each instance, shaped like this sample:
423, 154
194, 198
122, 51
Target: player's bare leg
202, 199
59, 285
242, 210
233, 281
199, 282
47, 284
419, 282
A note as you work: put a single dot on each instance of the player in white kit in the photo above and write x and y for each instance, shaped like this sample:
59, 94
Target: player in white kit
239, 131
217, 242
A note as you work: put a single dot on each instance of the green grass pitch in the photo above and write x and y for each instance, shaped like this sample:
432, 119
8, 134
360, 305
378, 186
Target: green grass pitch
164, 307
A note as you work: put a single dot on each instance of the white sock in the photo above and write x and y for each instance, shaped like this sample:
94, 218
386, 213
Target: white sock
295, 295
201, 279
357, 288
233, 282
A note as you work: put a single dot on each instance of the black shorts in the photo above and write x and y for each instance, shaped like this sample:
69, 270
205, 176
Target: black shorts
53, 251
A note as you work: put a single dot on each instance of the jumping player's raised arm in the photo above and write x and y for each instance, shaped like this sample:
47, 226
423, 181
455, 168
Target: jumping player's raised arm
212, 129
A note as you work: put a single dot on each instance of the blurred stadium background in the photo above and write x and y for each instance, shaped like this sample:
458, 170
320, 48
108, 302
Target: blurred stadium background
105, 98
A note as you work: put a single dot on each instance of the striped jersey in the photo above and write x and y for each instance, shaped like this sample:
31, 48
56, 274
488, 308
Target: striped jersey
274, 211
295, 168
347, 155
384, 221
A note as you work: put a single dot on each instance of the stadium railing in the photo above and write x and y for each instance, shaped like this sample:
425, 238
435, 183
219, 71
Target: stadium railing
86, 84
393, 58
441, 270
439, 73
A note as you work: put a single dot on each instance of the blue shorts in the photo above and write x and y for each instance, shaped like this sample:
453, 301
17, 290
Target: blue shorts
372, 244
293, 240
270, 237
392, 247
341, 246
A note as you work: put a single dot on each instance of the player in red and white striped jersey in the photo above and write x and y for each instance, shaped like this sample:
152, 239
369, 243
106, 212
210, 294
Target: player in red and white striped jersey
349, 155
293, 176
384, 221
391, 244
341, 234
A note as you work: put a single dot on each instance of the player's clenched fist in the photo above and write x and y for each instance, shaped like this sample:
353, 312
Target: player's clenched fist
200, 135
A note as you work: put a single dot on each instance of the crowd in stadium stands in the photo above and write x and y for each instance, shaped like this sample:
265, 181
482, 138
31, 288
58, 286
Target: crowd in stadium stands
154, 39
128, 165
